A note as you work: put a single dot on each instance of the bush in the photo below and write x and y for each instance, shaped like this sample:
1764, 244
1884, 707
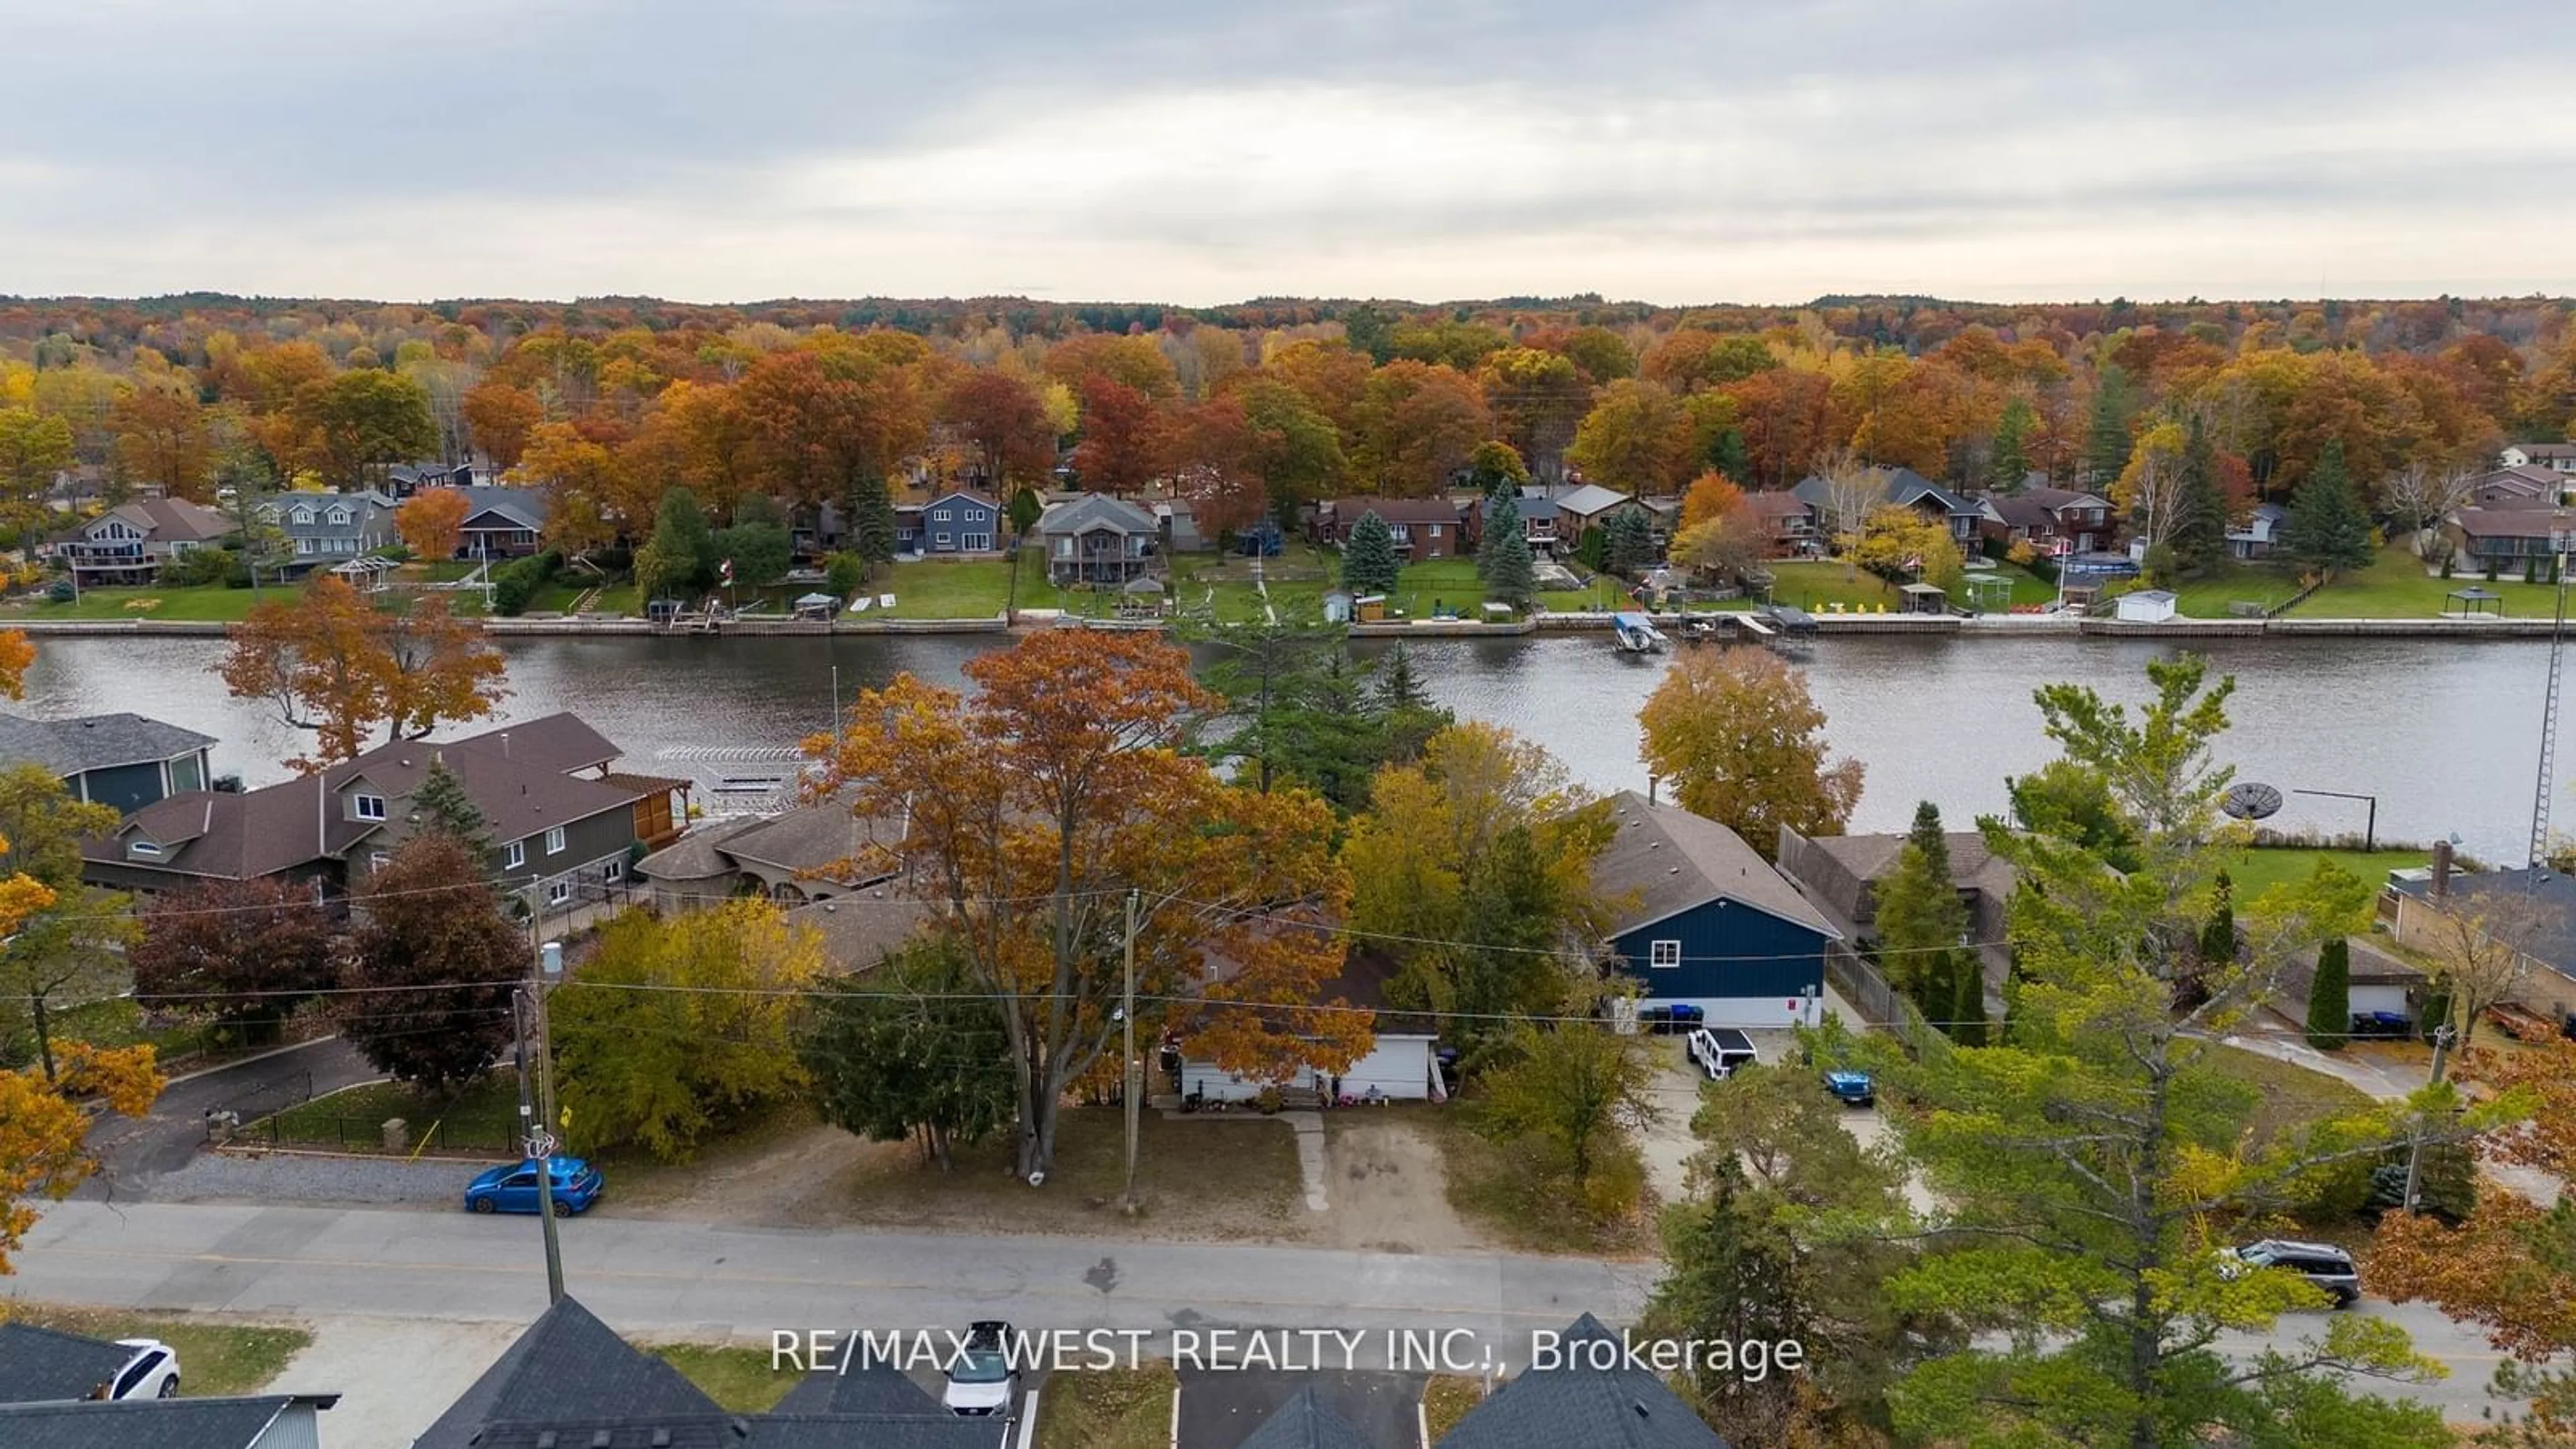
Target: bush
844, 572
515, 584
61, 591
395, 553
197, 567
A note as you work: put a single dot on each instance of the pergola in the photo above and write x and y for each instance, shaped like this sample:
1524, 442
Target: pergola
2472, 603
366, 573
1989, 592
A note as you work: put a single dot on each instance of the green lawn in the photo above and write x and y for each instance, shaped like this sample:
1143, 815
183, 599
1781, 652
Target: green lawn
1816, 586
621, 598
738, 1377
200, 602
442, 570
1109, 1409
2293, 1097
931, 589
215, 1359
484, 1118
2396, 586
2259, 870
2208, 596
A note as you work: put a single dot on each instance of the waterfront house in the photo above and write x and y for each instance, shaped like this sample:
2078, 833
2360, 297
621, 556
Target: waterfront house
1901, 488
562, 822
501, 522
1841, 875
124, 760
1589, 506
811, 853
1589, 1393
2536, 903
1538, 519
1423, 527
954, 524
1707, 920
322, 529
1787, 523
2259, 534
2514, 542
127, 544
1097, 539
2556, 457
2054, 521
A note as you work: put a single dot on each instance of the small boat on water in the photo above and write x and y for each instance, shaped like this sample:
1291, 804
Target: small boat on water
1635, 634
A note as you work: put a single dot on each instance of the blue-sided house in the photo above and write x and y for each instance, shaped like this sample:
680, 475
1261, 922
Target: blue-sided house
1704, 919
959, 522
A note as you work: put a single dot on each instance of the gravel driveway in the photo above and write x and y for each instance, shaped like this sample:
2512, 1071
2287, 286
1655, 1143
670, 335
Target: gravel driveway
290, 1177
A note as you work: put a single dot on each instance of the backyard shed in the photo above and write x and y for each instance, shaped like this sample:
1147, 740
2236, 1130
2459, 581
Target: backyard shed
2146, 606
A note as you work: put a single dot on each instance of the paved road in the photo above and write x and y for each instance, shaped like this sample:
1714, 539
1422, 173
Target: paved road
133, 1153
661, 1279
686, 1280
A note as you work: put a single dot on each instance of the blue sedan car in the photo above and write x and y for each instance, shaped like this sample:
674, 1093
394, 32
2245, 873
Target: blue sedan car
1852, 1089
512, 1187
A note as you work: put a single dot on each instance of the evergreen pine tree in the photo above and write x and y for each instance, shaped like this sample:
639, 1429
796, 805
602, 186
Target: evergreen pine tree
870, 521
2218, 935
1398, 687
2199, 537
1922, 923
1406, 715
2106, 433
445, 807
2009, 469
1368, 557
1511, 575
1502, 521
2327, 527
1729, 456
2330, 997
681, 554
1967, 1016
1629, 543
1026, 509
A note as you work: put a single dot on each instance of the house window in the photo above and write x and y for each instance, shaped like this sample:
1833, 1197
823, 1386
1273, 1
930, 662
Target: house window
555, 841
558, 890
514, 855
1435, 530
1664, 955
367, 807
940, 539
977, 542
143, 850
304, 545
304, 516
1064, 547
615, 870
942, 515
340, 516
376, 860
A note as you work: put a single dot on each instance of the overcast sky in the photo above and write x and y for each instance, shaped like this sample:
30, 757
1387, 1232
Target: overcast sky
1201, 151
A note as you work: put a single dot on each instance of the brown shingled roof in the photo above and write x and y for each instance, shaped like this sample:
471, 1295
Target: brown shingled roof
1665, 860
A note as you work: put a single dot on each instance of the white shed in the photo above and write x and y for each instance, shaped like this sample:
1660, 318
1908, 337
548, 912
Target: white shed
2146, 606
1402, 1064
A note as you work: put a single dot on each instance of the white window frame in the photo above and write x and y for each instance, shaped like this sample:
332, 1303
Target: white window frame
975, 542
143, 850
1435, 530
559, 891
303, 517
339, 517
942, 515
358, 807
941, 539
554, 840
614, 870
514, 855
376, 860
1659, 958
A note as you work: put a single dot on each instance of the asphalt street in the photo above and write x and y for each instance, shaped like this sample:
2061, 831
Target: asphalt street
679, 1280
132, 1152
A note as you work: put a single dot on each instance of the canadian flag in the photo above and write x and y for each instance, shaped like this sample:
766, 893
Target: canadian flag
1912, 565
725, 571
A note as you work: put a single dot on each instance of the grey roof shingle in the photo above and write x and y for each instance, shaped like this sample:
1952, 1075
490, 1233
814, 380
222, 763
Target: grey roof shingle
164, 520
95, 741
1305, 1423
698, 855
1669, 860
1095, 510
935, 1430
568, 1366
141, 1423
810, 838
860, 929
2552, 903
859, 1388
40, 1365
1564, 1408
1589, 499
489, 506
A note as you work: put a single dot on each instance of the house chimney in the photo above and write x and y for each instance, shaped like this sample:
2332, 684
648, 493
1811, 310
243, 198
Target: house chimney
2441, 870
505, 744
1653, 783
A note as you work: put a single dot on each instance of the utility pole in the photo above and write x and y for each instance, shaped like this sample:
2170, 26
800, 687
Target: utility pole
528, 1016
2442, 1037
1131, 1085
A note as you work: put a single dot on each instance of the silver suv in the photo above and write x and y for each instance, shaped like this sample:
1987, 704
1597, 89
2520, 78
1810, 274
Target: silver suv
2323, 1264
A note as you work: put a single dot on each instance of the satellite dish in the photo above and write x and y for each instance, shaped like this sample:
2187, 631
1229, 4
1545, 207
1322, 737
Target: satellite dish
2251, 801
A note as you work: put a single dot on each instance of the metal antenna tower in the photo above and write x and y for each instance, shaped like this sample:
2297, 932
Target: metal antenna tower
2560, 541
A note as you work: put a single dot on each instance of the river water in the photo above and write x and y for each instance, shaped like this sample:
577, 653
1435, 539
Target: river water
2444, 732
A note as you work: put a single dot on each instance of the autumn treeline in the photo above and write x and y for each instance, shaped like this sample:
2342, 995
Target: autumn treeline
609, 405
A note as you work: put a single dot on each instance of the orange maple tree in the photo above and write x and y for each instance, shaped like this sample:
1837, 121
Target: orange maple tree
334, 663
1035, 807
432, 521
44, 1129
16, 656
501, 418
2511, 1268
